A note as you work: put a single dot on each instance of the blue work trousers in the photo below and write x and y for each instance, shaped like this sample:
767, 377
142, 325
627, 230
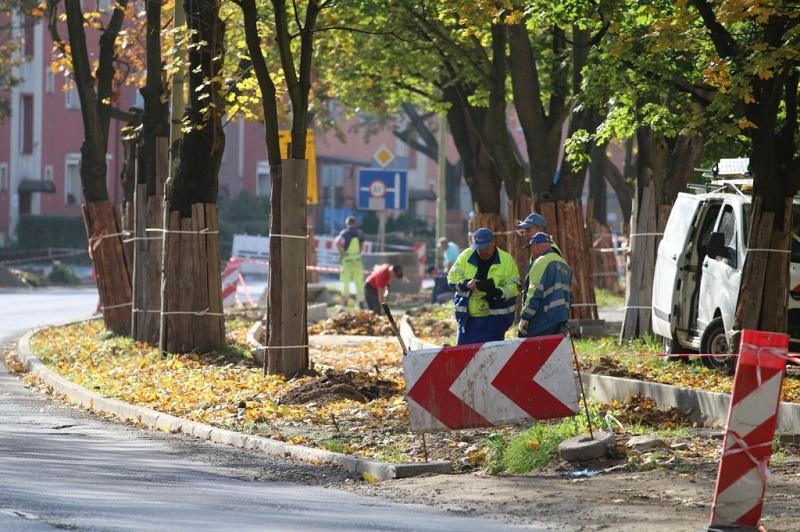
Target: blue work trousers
483, 329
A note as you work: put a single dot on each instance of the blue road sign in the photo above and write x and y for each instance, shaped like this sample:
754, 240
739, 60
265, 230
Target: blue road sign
380, 189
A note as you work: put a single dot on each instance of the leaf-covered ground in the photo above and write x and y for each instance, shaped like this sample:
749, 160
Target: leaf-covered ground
354, 405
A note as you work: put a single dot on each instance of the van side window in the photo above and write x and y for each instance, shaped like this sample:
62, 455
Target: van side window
727, 226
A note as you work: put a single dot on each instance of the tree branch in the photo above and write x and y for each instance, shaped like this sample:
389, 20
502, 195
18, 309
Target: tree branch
722, 39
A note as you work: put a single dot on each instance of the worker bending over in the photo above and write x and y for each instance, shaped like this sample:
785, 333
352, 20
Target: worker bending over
377, 285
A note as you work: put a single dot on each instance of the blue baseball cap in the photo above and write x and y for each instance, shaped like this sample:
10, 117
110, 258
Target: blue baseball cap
533, 218
482, 238
540, 238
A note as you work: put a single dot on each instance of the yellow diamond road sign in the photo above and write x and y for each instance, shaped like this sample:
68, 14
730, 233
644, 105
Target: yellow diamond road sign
383, 156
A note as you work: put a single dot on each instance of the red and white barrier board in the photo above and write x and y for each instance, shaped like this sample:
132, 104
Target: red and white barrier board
481, 385
752, 418
230, 281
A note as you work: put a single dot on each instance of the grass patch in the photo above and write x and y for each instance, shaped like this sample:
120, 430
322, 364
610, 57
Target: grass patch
607, 298
535, 447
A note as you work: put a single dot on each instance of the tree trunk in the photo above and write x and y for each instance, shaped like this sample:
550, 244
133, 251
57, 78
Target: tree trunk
597, 186
103, 227
287, 354
664, 167
111, 266
191, 290
764, 289
153, 169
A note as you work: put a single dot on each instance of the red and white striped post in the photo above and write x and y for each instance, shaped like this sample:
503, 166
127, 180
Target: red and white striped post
230, 281
752, 419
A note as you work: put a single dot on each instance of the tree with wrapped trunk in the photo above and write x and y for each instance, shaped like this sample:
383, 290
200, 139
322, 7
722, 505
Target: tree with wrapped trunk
753, 68
191, 298
645, 90
542, 109
96, 93
726, 71
287, 335
152, 168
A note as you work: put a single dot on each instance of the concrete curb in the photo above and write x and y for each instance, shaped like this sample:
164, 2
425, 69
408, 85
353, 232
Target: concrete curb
167, 423
712, 406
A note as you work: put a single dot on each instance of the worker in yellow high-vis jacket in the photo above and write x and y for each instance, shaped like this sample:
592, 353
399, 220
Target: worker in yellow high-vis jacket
349, 243
485, 280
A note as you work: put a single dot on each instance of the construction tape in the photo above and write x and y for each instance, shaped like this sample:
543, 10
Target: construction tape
645, 234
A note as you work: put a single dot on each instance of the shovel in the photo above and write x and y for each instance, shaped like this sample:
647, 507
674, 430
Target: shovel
395, 329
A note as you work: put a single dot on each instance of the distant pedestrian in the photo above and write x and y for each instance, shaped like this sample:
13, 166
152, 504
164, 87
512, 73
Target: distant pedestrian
486, 283
349, 243
377, 284
548, 293
442, 292
449, 252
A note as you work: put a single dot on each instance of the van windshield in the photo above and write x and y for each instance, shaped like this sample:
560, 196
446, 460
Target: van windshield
795, 228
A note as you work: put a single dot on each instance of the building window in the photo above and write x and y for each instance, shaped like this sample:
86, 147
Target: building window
30, 28
26, 124
3, 176
71, 100
48, 173
263, 182
72, 179
49, 81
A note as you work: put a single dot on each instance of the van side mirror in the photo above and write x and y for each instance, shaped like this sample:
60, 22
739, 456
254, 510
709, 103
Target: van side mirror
715, 246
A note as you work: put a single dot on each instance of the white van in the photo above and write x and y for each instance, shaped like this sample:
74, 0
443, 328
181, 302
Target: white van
699, 269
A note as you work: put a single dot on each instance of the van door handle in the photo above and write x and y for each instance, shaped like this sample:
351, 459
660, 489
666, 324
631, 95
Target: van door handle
705, 265
674, 257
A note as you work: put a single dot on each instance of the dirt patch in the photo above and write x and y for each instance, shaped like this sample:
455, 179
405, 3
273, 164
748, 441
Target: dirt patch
337, 386
608, 366
360, 323
641, 410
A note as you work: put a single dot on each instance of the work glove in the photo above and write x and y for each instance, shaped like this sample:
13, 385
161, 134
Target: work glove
486, 285
522, 328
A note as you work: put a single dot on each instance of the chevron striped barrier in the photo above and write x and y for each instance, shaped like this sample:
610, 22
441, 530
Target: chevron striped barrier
752, 418
482, 385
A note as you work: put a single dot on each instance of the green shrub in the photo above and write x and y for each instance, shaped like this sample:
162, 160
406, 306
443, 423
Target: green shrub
61, 274
39, 232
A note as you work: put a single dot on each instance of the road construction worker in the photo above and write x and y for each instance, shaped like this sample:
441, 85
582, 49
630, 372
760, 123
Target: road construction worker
449, 251
486, 283
377, 284
349, 243
532, 224
548, 293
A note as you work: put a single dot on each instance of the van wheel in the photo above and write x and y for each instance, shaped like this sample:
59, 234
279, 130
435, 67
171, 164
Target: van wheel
715, 342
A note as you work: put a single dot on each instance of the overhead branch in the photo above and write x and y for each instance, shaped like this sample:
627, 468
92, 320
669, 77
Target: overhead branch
723, 41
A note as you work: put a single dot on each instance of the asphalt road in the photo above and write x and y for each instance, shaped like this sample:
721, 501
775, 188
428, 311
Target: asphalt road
63, 468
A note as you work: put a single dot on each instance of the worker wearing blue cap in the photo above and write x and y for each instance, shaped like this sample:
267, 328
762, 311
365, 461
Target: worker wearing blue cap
548, 292
532, 224
486, 283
